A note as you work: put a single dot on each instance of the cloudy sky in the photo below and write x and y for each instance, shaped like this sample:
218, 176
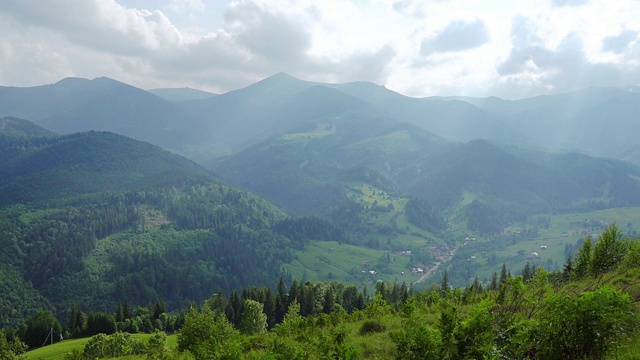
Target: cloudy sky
505, 48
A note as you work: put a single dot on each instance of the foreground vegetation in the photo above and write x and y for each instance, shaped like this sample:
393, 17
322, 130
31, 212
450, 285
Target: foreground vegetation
588, 310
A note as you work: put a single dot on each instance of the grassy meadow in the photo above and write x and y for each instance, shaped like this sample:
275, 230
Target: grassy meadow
57, 351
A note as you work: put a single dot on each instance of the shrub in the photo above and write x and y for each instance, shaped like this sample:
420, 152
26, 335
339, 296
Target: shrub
420, 342
371, 327
11, 349
583, 327
208, 335
107, 346
157, 346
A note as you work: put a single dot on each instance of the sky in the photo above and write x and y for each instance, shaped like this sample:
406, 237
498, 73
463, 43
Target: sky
506, 48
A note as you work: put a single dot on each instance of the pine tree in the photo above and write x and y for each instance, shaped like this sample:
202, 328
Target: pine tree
445, 286
494, 281
77, 322
127, 310
503, 274
234, 309
328, 300
527, 272
119, 313
583, 261
294, 292
608, 252
477, 286
158, 309
269, 302
217, 303
282, 302
567, 269
404, 293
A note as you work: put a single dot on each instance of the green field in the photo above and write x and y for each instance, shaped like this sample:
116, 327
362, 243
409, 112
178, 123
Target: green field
321, 130
58, 350
322, 261
563, 229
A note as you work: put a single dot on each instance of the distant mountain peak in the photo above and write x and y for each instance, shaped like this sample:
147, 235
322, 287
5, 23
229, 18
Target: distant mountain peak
71, 82
104, 79
280, 83
280, 77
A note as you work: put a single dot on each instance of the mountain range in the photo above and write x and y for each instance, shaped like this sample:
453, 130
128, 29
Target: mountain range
353, 163
206, 125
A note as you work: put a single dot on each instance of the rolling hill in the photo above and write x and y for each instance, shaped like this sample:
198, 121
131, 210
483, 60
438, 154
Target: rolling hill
90, 219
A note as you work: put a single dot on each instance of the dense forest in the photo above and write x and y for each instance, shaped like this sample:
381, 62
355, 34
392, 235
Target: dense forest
129, 221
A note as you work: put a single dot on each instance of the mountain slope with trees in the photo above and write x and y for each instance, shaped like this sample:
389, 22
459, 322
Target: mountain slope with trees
587, 310
94, 218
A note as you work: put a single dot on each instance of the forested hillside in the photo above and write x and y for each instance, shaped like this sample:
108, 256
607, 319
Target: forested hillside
94, 218
587, 310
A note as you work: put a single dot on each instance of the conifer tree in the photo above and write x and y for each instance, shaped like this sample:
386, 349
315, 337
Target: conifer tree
477, 286
445, 286
567, 269
294, 292
494, 281
126, 310
234, 309
282, 302
269, 302
328, 300
583, 261
503, 274
158, 309
608, 251
527, 272
217, 303
119, 313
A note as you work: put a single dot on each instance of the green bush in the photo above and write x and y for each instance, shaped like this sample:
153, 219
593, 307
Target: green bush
157, 346
371, 327
209, 335
419, 342
103, 346
11, 349
583, 327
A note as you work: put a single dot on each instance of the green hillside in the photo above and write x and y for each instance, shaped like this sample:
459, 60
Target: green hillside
91, 219
90, 162
586, 310
15, 127
18, 136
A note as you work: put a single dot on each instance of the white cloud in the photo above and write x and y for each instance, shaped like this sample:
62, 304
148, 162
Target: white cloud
456, 36
619, 43
276, 37
186, 6
569, 2
415, 47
